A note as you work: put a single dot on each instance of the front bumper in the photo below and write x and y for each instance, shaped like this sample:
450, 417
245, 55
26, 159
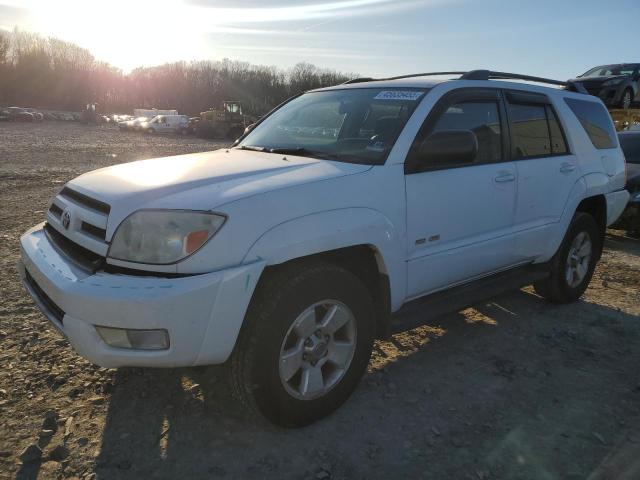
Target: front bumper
202, 313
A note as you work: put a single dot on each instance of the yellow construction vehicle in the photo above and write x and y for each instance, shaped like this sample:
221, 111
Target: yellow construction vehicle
225, 122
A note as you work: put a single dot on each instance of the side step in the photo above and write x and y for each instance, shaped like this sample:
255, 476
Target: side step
424, 309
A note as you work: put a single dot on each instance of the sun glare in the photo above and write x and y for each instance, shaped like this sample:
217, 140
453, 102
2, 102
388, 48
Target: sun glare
125, 33
131, 33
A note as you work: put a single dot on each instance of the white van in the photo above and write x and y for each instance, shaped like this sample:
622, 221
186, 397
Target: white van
166, 124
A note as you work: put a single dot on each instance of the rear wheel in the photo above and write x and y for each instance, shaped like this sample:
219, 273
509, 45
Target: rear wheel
306, 344
573, 265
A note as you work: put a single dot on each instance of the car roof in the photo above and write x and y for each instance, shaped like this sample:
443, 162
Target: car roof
429, 83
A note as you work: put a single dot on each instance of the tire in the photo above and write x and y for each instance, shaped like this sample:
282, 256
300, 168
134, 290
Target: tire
626, 99
280, 302
562, 286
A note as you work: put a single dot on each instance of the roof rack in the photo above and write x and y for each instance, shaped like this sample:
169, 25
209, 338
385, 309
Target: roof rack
484, 75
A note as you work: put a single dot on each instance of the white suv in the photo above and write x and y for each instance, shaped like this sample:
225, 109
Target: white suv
326, 225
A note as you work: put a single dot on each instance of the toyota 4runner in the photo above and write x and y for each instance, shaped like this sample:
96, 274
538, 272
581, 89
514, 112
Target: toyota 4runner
343, 215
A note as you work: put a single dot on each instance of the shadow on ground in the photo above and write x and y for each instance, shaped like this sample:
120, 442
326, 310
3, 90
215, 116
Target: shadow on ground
514, 388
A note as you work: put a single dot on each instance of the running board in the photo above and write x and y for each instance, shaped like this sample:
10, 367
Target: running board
423, 310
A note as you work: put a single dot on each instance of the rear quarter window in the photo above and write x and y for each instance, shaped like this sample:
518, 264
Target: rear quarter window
596, 121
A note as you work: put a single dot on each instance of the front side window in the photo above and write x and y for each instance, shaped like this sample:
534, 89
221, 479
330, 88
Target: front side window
483, 119
596, 121
358, 125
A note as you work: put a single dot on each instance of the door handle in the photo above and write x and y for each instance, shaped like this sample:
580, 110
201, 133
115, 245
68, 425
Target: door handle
567, 167
504, 177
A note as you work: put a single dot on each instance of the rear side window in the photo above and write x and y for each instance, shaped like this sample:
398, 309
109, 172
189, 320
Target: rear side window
483, 119
596, 122
558, 143
536, 131
530, 131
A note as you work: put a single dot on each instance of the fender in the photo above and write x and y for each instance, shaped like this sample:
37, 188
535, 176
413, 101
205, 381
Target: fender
578, 193
333, 229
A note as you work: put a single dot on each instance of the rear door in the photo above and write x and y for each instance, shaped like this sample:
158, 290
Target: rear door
460, 217
547, 170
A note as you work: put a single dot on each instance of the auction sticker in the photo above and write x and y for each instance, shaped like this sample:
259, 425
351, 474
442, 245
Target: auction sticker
398, 95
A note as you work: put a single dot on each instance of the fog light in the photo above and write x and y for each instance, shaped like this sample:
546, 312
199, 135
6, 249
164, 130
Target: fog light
135, 339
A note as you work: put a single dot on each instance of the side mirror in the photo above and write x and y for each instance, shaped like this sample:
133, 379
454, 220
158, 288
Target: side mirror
449, 148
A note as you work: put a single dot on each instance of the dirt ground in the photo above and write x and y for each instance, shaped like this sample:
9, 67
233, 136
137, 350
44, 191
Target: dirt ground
514, 388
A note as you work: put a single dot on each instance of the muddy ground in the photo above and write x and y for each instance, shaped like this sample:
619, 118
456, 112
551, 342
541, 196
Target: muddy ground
514, 388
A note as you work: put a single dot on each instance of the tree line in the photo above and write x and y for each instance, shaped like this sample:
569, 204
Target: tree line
49, 73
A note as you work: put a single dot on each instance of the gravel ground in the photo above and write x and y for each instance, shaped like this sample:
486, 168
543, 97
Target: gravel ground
512, 388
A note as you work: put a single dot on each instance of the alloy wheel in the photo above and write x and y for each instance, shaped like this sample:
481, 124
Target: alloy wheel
317, 349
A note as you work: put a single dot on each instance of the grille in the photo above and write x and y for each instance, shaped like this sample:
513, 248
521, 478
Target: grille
97, 232
56, 210
44, 299
78, 225
82, 257
88, 202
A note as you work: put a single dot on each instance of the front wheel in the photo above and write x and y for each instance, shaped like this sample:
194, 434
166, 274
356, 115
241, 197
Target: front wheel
574, 263
306, 343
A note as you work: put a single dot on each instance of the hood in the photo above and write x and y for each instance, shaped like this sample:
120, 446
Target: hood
596, 80
201, 181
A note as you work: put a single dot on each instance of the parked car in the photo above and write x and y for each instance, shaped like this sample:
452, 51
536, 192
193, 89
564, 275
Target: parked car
18, 114
37, 116
166, 124
289, 253
616, 85
134, 124
630, 143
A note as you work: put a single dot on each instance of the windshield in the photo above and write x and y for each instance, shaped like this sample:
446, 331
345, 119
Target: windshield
351, 125
611, 70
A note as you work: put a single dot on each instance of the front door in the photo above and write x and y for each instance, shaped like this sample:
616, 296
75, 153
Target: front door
460, 217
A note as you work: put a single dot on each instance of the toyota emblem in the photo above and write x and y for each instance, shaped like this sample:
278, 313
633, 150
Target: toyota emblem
66, 219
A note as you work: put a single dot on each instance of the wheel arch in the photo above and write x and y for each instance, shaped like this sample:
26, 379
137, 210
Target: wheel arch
362, 240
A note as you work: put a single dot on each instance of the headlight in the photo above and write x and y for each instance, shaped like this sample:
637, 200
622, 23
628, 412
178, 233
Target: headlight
163, 237
614, 81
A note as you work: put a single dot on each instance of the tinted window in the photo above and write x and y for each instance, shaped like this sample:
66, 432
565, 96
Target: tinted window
558, 143
483, 119
596, 122
530, 131
631, 147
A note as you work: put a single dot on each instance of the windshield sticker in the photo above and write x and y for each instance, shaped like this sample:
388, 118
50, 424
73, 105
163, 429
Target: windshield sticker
398, 95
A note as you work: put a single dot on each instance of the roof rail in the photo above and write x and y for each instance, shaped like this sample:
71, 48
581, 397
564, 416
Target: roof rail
484, 75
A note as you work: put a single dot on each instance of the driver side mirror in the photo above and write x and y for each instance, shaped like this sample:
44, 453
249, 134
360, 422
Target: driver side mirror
448, 148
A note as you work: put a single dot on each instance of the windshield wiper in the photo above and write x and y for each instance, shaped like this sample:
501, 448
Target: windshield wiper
302, 151
254, 148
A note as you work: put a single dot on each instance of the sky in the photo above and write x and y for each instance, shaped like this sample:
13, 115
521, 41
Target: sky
552, 38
